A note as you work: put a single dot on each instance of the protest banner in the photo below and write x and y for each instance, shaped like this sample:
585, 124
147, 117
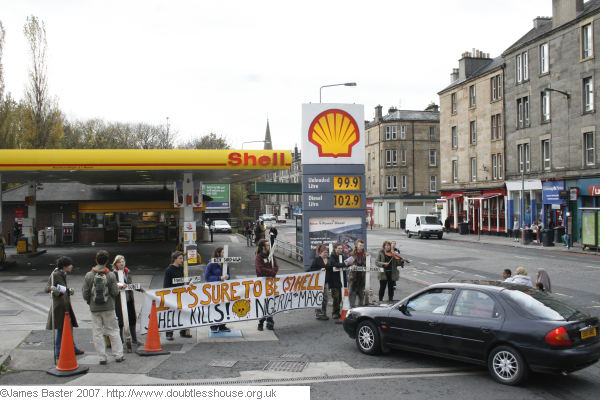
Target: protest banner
210, 303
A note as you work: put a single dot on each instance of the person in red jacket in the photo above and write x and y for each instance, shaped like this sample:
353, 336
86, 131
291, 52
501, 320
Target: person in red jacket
265, 267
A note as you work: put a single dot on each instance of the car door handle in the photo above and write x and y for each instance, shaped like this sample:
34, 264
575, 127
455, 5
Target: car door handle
432, 323
485, 330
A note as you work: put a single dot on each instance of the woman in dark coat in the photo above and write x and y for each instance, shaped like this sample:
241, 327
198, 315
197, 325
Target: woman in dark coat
61, 301
119, 264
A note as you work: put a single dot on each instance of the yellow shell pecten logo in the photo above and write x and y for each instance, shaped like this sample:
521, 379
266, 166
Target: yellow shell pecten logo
241, 307
334, 132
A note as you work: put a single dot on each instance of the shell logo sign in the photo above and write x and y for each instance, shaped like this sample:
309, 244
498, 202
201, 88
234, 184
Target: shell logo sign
334, 132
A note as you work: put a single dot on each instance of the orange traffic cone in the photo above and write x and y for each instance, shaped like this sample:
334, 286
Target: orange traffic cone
345, 305
67, 364
152, 346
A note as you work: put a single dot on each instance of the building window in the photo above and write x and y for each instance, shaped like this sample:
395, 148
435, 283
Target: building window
496, 126
404, 185
454, 171
472, 96
527, 159
391, 132
432, 133
391, 158
500, 166
544, 59
520, 157
433, 183
546, 154
587, 43
496, 87
588, 94
392, 183
403, 132
473, 132
588, 148
473, 169
453, 99
545, 103
403, 156
522, 65
523, 112
454, 138
432, 158
494, 168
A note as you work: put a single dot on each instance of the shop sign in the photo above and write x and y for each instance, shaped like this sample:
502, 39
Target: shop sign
594, 190
573, 193
551, 192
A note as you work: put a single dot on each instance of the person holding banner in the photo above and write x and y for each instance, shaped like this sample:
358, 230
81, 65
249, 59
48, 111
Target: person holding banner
266, 265
356, 279
214, 273
389, 261
118, 264
175, 270
333, 280
321, 263
61, 301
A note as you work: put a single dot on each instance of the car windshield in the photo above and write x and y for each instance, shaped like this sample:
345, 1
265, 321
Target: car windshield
220, 222
543, 305
431, 220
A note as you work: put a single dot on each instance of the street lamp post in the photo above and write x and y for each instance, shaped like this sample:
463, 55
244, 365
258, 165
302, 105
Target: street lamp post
335, 84
567, 213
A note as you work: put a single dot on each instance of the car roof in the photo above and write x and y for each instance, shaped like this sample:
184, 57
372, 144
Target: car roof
496, 286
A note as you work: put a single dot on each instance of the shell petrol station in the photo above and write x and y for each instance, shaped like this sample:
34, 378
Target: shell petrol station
155, 193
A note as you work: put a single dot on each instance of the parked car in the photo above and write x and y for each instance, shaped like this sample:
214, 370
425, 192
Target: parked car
267, 217
280, 219
221, 226
424, 226
510, 328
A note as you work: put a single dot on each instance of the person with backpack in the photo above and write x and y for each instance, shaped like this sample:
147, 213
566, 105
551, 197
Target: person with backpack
61, 301
100, 288
175, 270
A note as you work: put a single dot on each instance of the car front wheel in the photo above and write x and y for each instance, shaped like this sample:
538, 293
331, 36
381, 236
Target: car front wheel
367, 338
507, 366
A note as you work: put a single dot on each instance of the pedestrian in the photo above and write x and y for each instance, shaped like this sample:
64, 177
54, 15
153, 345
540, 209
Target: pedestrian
539, 286
321, 263
100, 288
543, 278
272, 235
258, 231
521, 277
516, 229
61, 301
175, 270
334, 281
389, 261
118, 264
507, 275
540, 230
249, 231
266, 265
214, 273
356, 279
447, 224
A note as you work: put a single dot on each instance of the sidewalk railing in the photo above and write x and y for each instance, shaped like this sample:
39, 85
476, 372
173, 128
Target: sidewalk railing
288, 249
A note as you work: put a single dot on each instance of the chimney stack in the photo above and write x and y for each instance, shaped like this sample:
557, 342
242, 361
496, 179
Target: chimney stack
378, 113
564, 11
470, 62
454, 75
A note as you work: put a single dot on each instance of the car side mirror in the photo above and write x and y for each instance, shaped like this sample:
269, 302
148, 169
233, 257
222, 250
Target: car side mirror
403, 309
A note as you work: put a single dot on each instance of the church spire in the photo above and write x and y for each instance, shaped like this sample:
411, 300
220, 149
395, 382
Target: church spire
268, 143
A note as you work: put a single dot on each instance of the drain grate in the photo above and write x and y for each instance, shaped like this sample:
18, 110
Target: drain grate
286, 366
9, 313
222, 363
292, 355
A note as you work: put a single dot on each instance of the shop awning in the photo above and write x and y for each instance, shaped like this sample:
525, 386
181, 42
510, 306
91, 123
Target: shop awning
486, 196
452, 196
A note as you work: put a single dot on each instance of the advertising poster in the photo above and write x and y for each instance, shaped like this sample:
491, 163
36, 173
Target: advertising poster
325, 230
219, 193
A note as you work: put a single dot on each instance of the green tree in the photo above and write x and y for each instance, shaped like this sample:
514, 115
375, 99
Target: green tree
210, 141
42, 120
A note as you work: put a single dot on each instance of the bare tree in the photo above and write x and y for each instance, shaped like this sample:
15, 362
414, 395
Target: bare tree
210, 141
2, 35
44, 128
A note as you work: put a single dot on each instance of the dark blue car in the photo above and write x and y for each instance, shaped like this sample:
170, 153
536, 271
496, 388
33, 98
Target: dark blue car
510, 328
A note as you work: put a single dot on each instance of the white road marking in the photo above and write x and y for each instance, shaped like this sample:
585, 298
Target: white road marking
456, 270
524, 258
428, 272
591, 266
422, 263
437, 266
480, 276
565, 295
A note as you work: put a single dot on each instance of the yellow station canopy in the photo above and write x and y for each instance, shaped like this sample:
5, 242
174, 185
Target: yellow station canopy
139, 166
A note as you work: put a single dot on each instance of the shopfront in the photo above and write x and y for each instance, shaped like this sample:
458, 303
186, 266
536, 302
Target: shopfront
487, 212
452, 209
524, 202
554, 204
585, 194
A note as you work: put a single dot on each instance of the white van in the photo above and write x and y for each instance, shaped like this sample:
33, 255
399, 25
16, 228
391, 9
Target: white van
424, 226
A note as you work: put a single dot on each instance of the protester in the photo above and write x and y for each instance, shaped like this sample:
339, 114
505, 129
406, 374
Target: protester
389, 261
321, 263
543, 278
61, 301
214, 273
356, 279
507, 275
175, 270
272, 234
100, 288
334, 281
259, 231
521, 277
268, 268
118, 264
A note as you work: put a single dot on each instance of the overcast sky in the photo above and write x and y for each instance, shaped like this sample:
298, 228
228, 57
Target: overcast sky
227, 66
